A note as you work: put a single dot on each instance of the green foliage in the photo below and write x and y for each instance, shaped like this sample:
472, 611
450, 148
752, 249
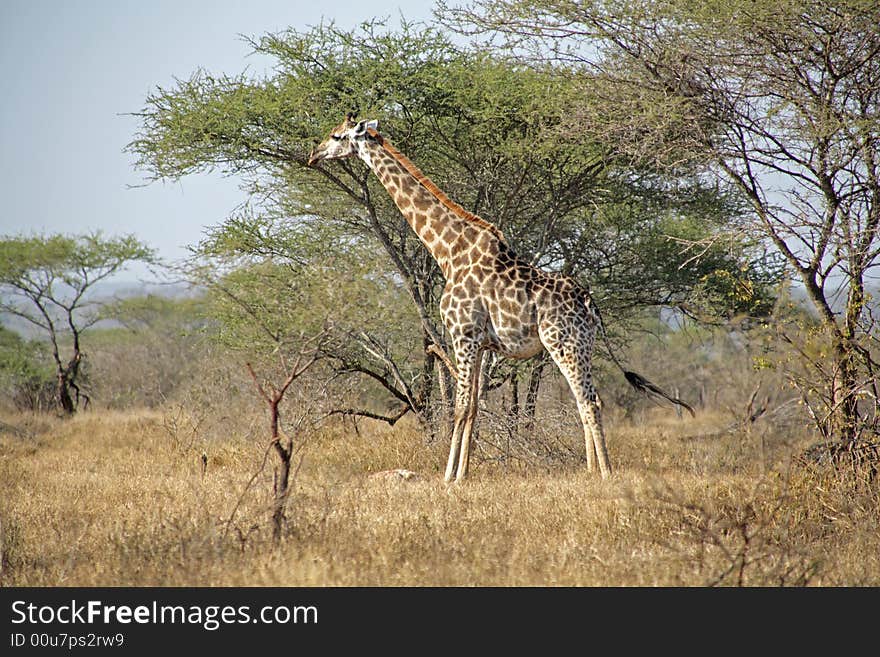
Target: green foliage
25, 371
473, 121
495, 134
154, 312
17, 356
734, 291
267, 302
44, 279
72, 260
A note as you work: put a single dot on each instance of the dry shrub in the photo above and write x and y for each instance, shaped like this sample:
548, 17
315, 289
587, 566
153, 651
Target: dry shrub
738, 536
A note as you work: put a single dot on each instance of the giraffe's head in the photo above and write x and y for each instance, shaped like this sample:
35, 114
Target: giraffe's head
343, 140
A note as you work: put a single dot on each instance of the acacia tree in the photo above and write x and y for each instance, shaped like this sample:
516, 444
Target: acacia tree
777, 99
46, 281
485, 128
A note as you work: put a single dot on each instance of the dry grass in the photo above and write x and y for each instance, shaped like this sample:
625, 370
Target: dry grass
113, 498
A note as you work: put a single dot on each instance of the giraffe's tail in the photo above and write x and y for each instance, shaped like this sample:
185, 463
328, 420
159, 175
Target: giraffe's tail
637, 381
642, 384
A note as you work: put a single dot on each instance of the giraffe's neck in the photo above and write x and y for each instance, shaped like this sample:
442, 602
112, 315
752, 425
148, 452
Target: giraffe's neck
447, 230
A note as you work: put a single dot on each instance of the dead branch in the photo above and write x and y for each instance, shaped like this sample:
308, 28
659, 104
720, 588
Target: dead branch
390, 419
438, 351
380, 353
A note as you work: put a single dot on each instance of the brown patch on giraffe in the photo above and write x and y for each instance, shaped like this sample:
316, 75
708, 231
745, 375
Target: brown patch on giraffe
442, 252
486, 244
469, 235
471, 286
507, 306
461, 259
449, 234
419, 221
523, 271
481, 271
422, 202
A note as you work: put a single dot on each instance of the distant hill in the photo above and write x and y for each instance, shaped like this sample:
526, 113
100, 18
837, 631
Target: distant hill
126, 289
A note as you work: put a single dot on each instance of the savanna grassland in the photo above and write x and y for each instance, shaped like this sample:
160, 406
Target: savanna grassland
707, 172
133, 498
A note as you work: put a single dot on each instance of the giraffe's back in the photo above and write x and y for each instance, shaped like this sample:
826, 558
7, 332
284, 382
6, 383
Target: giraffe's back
519, 299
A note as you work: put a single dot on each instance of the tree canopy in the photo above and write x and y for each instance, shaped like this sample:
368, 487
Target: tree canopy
491, 132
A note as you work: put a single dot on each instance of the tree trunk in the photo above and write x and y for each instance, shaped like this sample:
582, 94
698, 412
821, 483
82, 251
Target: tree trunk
845, 386
425, 395
64, 398
446, 386
842, 420
281, 489
844, 414
282, 471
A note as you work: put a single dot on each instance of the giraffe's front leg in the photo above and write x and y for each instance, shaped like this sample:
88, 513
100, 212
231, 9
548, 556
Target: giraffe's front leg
467, 358
470, 415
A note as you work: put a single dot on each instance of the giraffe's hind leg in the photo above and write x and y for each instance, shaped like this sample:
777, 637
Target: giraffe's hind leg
594, 434
572, 355
589, 439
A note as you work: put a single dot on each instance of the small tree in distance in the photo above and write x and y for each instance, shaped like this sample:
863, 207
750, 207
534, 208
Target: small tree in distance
46, 281
283, 444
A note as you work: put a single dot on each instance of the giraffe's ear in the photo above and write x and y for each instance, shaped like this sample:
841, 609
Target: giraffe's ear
362, 127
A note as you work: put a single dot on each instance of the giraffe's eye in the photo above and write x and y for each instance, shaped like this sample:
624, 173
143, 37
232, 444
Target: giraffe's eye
336, 137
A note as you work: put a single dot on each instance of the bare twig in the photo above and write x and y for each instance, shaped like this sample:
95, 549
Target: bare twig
390, 419
438, 351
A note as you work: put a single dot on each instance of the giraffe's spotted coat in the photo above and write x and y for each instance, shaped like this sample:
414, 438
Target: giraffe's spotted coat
492, 299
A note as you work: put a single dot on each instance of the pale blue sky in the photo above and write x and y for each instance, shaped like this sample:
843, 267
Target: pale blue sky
72, 70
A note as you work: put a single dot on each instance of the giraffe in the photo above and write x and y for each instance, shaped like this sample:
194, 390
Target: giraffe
492, 299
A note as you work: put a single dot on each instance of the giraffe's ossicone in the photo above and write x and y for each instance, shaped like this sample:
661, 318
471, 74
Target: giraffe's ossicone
492, 299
